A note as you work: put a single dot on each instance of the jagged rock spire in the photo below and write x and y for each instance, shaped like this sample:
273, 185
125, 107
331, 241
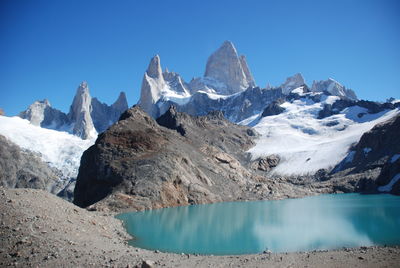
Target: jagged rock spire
152, 84
79, 113
292, 82
154, 70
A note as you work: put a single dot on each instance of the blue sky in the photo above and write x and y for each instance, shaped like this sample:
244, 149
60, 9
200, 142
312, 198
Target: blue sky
48, 47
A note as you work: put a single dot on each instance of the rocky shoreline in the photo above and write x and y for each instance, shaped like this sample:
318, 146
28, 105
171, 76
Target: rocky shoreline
38, 229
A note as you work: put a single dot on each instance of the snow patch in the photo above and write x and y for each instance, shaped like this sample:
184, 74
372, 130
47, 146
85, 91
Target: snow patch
330, 99
214, 96
305, 143
388, 187
299, 90
169, 94
59, 149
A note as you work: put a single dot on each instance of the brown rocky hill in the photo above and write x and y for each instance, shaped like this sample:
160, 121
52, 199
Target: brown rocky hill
178, 161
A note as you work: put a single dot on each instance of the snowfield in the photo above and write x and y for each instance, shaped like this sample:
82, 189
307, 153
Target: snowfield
59, 149
306, 144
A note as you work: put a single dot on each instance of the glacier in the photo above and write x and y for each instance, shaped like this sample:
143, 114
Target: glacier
60, 150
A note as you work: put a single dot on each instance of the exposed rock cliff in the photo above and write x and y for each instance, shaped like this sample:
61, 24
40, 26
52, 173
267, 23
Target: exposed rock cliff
24, 169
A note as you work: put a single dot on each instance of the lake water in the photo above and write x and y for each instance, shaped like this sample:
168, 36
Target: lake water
318, 222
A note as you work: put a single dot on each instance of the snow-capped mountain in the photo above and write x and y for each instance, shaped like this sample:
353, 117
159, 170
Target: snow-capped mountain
227, 86
87, 116
309, 128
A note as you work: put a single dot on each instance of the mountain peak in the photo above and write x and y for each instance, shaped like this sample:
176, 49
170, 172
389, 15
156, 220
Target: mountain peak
225, 66
152, 84
154, 69
228, 45
333, 87
80, 113
83, 85
292, 82
121, 104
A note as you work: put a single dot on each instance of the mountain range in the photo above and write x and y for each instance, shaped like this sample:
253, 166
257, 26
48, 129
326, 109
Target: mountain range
87, 116
219, 137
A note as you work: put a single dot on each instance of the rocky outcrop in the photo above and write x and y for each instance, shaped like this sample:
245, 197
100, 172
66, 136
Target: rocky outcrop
139, 164
225, 66
333, 88
40, 113
24, 169
292, 82
378, 150
274, 108
266, 163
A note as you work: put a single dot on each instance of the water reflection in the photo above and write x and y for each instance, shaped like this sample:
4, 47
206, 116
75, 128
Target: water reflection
321, 222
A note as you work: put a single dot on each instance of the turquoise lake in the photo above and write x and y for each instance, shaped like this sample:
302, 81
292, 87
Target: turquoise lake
311, 223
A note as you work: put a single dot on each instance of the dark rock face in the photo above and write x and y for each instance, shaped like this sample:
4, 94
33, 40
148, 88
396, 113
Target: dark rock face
235, 108
339, 105
139, 164
376, 150
22, 169
266, 163
273, 109
171, 120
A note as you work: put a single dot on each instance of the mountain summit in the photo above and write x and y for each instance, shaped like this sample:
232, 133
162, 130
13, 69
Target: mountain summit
79, 113
226, 74
152, 85
225, 66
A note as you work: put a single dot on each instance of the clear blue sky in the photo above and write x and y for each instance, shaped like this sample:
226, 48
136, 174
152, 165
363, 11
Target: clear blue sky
48, 47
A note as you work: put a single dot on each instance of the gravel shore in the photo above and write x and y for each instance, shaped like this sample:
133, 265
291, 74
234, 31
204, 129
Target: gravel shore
38, 229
